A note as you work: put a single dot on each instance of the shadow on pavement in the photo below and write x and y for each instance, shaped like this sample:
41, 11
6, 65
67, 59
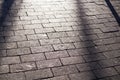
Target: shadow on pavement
115, 14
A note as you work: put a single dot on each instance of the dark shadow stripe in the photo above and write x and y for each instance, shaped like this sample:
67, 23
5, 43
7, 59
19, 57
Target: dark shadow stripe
115, 14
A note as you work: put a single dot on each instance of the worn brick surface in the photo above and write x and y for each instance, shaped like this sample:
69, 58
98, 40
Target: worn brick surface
59, 40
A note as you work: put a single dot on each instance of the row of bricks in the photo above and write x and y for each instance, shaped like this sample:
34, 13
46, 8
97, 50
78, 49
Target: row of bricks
70, 70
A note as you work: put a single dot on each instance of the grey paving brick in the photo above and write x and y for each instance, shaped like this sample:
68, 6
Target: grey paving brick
32, 43
105, 72
52, 25
56, 54
32, 57
4, 69
64, 70
10, 60
72, 60
49, 41
63, 46
63, 29
13, 76
88, 66
18, 51
15, 38
70, 39
57, 35
24, 32
11, 45
32, 26
82, 76
42, 49
48, 63
94, 57
37, 36
44, 30
38, 74
77, 52
22, 67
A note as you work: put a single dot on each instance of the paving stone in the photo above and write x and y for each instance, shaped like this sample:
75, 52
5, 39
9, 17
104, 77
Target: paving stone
63, 29
109, 29
42, 49
82, 76
37, 36
64, 70
49, 41
13, 76
77, 52
48, 63
32, 57
32, 43
15, 38
94, 57
52, 25
10, 60
117, 68
32, 26
88, 66
19, 51
4, 69
57, 35
24, 32
72, 60
38, 74
105, 72
8, 45
63, 46
70, 39
22, 67
44, 30
56, 54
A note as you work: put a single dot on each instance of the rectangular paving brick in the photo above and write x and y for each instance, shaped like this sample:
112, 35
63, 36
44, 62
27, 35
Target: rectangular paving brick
70, 39
42, 49
36, 36
63, 46
56, 54
10, 60
24, 32
82, 76
38, 74
18, 51
63, 28
22, 67
32, 26
64, 70
105, 72
77, 52
32, 57
32, 43
94, 57
57, 35
8, 45
72, 60
49, 41
51, 25
15, 38
44, 30
48, 63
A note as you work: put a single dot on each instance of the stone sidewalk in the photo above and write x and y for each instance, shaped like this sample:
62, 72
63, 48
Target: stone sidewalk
59, 40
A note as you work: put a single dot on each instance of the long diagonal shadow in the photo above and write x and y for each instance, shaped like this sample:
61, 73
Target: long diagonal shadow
5, 9
115, 14
93, 50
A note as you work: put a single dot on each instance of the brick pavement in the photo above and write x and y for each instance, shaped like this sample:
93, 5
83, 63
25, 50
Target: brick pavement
59, 40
